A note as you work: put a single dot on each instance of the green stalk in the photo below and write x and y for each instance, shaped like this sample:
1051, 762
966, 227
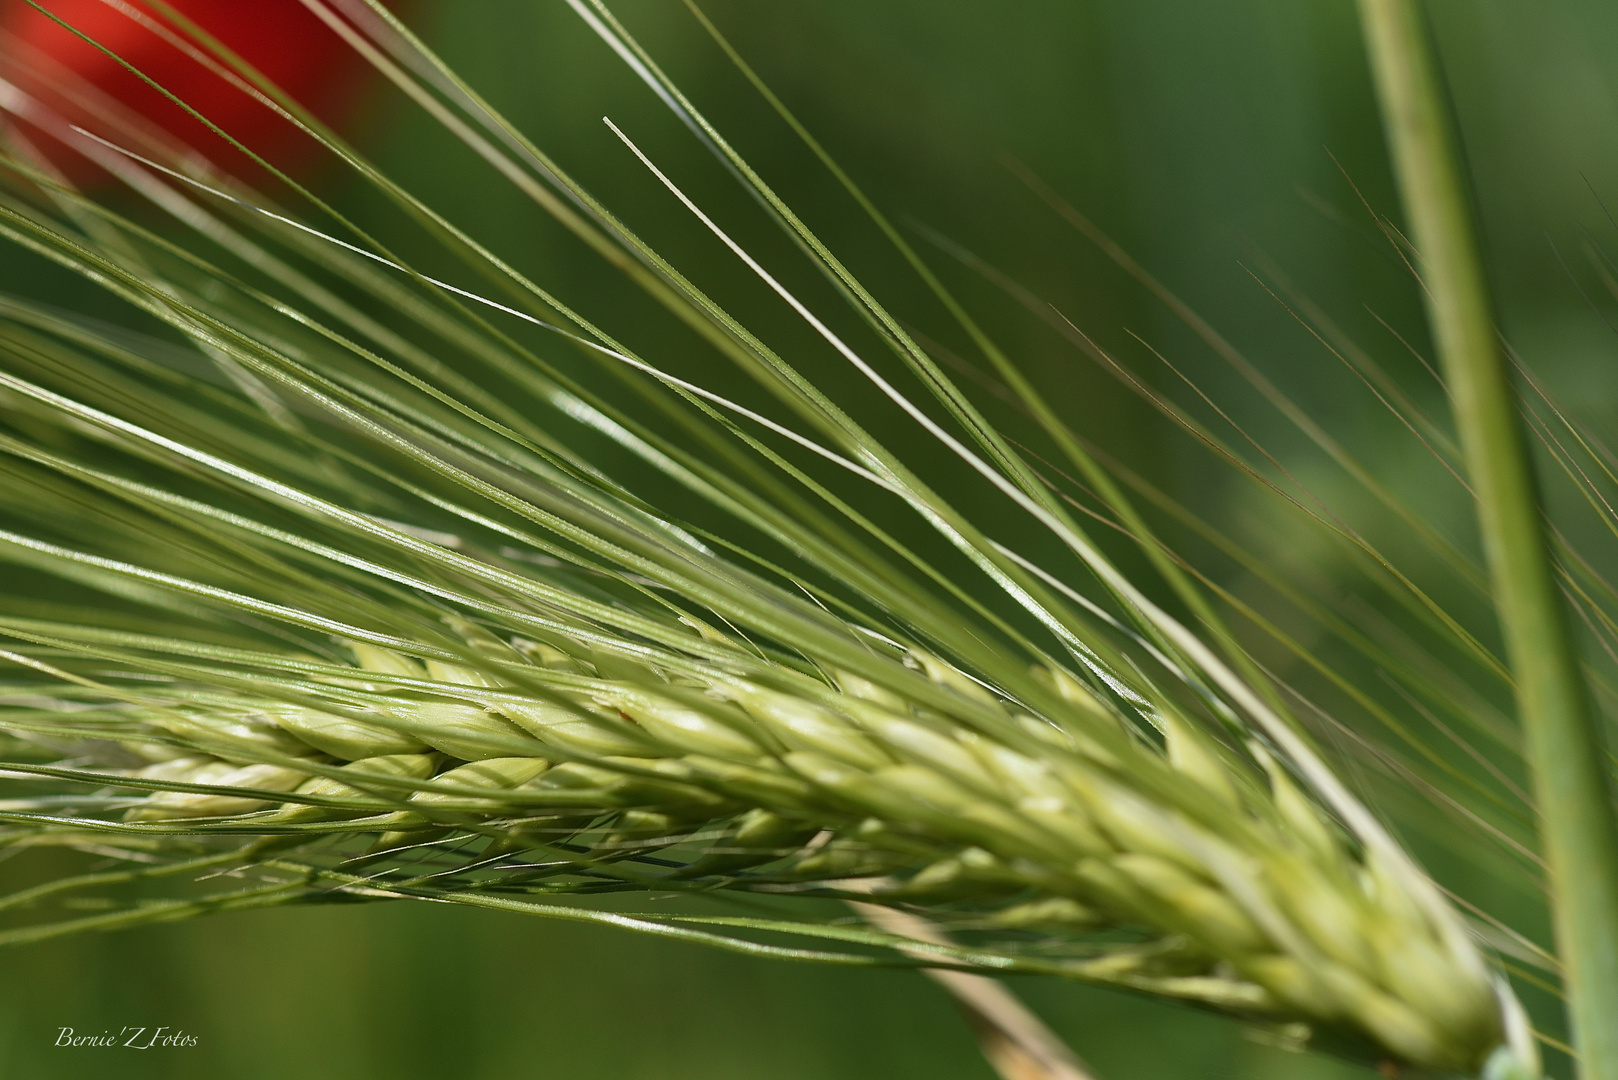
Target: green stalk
1564, 748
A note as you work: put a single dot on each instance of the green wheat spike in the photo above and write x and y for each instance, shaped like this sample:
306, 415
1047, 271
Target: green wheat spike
337, 597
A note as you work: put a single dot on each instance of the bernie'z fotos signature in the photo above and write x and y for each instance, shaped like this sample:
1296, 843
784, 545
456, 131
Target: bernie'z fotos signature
131, 1038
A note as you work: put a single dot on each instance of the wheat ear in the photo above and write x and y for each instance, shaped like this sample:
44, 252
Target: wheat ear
392, 624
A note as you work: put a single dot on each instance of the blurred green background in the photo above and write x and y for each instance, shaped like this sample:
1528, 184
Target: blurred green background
1208, 138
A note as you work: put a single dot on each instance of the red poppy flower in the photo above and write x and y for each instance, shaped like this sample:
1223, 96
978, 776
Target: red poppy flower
283, 39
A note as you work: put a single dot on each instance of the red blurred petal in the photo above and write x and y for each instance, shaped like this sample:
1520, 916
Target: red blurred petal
286, 42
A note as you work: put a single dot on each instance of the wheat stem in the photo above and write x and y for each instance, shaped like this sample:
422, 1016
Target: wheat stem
1564, 747
1016, 1043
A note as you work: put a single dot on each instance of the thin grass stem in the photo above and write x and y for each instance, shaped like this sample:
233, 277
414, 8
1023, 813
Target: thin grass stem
1579, 833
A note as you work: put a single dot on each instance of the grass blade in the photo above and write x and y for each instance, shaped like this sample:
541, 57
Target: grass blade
1564, 747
